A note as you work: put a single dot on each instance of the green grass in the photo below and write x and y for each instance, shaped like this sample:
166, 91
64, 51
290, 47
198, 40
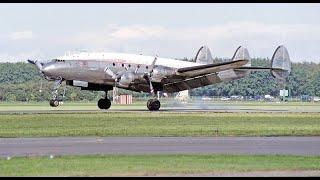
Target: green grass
160, 124
141, 165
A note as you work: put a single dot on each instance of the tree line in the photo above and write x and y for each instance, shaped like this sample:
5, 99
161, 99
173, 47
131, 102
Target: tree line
22, 82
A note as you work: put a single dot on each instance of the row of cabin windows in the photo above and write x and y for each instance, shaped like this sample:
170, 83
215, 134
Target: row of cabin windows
114, 64
58, 60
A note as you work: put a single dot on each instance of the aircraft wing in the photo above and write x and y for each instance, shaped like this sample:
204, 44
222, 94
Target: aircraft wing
198, 76
190, 83
195, 71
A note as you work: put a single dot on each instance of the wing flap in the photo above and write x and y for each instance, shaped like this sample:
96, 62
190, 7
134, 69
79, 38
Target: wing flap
210, 68
191, 83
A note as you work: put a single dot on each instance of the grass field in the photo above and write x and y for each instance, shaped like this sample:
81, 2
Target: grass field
160, 124
152, 165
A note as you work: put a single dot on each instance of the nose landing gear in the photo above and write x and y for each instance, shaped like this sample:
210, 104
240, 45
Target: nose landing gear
54, 102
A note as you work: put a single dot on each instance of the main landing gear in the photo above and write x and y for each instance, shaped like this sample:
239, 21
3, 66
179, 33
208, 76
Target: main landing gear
104, 103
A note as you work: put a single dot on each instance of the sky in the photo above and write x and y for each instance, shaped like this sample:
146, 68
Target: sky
45, 31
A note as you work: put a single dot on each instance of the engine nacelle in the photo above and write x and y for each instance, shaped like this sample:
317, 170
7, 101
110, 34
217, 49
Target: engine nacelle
160, 72
126, 79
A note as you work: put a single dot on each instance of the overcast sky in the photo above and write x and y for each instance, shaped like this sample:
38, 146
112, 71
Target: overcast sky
44, 31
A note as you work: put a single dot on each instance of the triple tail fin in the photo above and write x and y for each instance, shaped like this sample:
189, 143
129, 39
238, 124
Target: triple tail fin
280, 67
204, 56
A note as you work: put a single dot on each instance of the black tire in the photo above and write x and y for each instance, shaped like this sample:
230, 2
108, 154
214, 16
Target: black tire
148, 104
156, 105
153, 105
104, 103
54, 103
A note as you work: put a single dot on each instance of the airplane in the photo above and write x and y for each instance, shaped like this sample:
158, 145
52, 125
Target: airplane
103, 71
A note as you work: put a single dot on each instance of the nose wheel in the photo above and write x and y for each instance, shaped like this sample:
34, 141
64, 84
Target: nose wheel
153, 104
104, 103
54, 103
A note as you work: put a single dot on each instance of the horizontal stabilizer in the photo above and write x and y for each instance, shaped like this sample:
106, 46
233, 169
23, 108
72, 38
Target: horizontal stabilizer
210, 68
258, 68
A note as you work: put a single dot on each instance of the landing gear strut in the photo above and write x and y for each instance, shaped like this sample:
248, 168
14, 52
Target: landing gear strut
104, 103
54, 102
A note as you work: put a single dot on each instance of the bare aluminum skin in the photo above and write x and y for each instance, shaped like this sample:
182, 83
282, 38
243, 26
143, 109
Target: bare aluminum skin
129, 72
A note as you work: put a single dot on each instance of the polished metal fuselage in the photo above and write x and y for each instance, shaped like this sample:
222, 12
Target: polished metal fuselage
93, 70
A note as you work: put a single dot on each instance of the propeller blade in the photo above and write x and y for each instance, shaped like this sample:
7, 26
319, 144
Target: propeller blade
135, 71
153, 63
31, 62
37, 63
148, 75
113, 75
110, 73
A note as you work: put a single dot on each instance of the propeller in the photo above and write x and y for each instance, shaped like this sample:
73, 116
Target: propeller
37, 63
40, 66
146, 75
108, 71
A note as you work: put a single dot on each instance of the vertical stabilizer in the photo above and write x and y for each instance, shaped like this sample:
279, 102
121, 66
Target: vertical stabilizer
204, 56
242, 54
280, 63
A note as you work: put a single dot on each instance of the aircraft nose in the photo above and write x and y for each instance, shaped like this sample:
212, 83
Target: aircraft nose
48, 69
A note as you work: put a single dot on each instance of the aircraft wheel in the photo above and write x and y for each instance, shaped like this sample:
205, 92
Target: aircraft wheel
153, 105
104, 103
54, 103
148, 103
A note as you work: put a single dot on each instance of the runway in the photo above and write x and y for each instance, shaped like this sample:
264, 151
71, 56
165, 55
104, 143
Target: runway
199, 107
139, 110
158, 145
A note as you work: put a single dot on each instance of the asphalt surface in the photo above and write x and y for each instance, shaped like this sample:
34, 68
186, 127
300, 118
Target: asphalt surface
230, 109
138, 110
158, 145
